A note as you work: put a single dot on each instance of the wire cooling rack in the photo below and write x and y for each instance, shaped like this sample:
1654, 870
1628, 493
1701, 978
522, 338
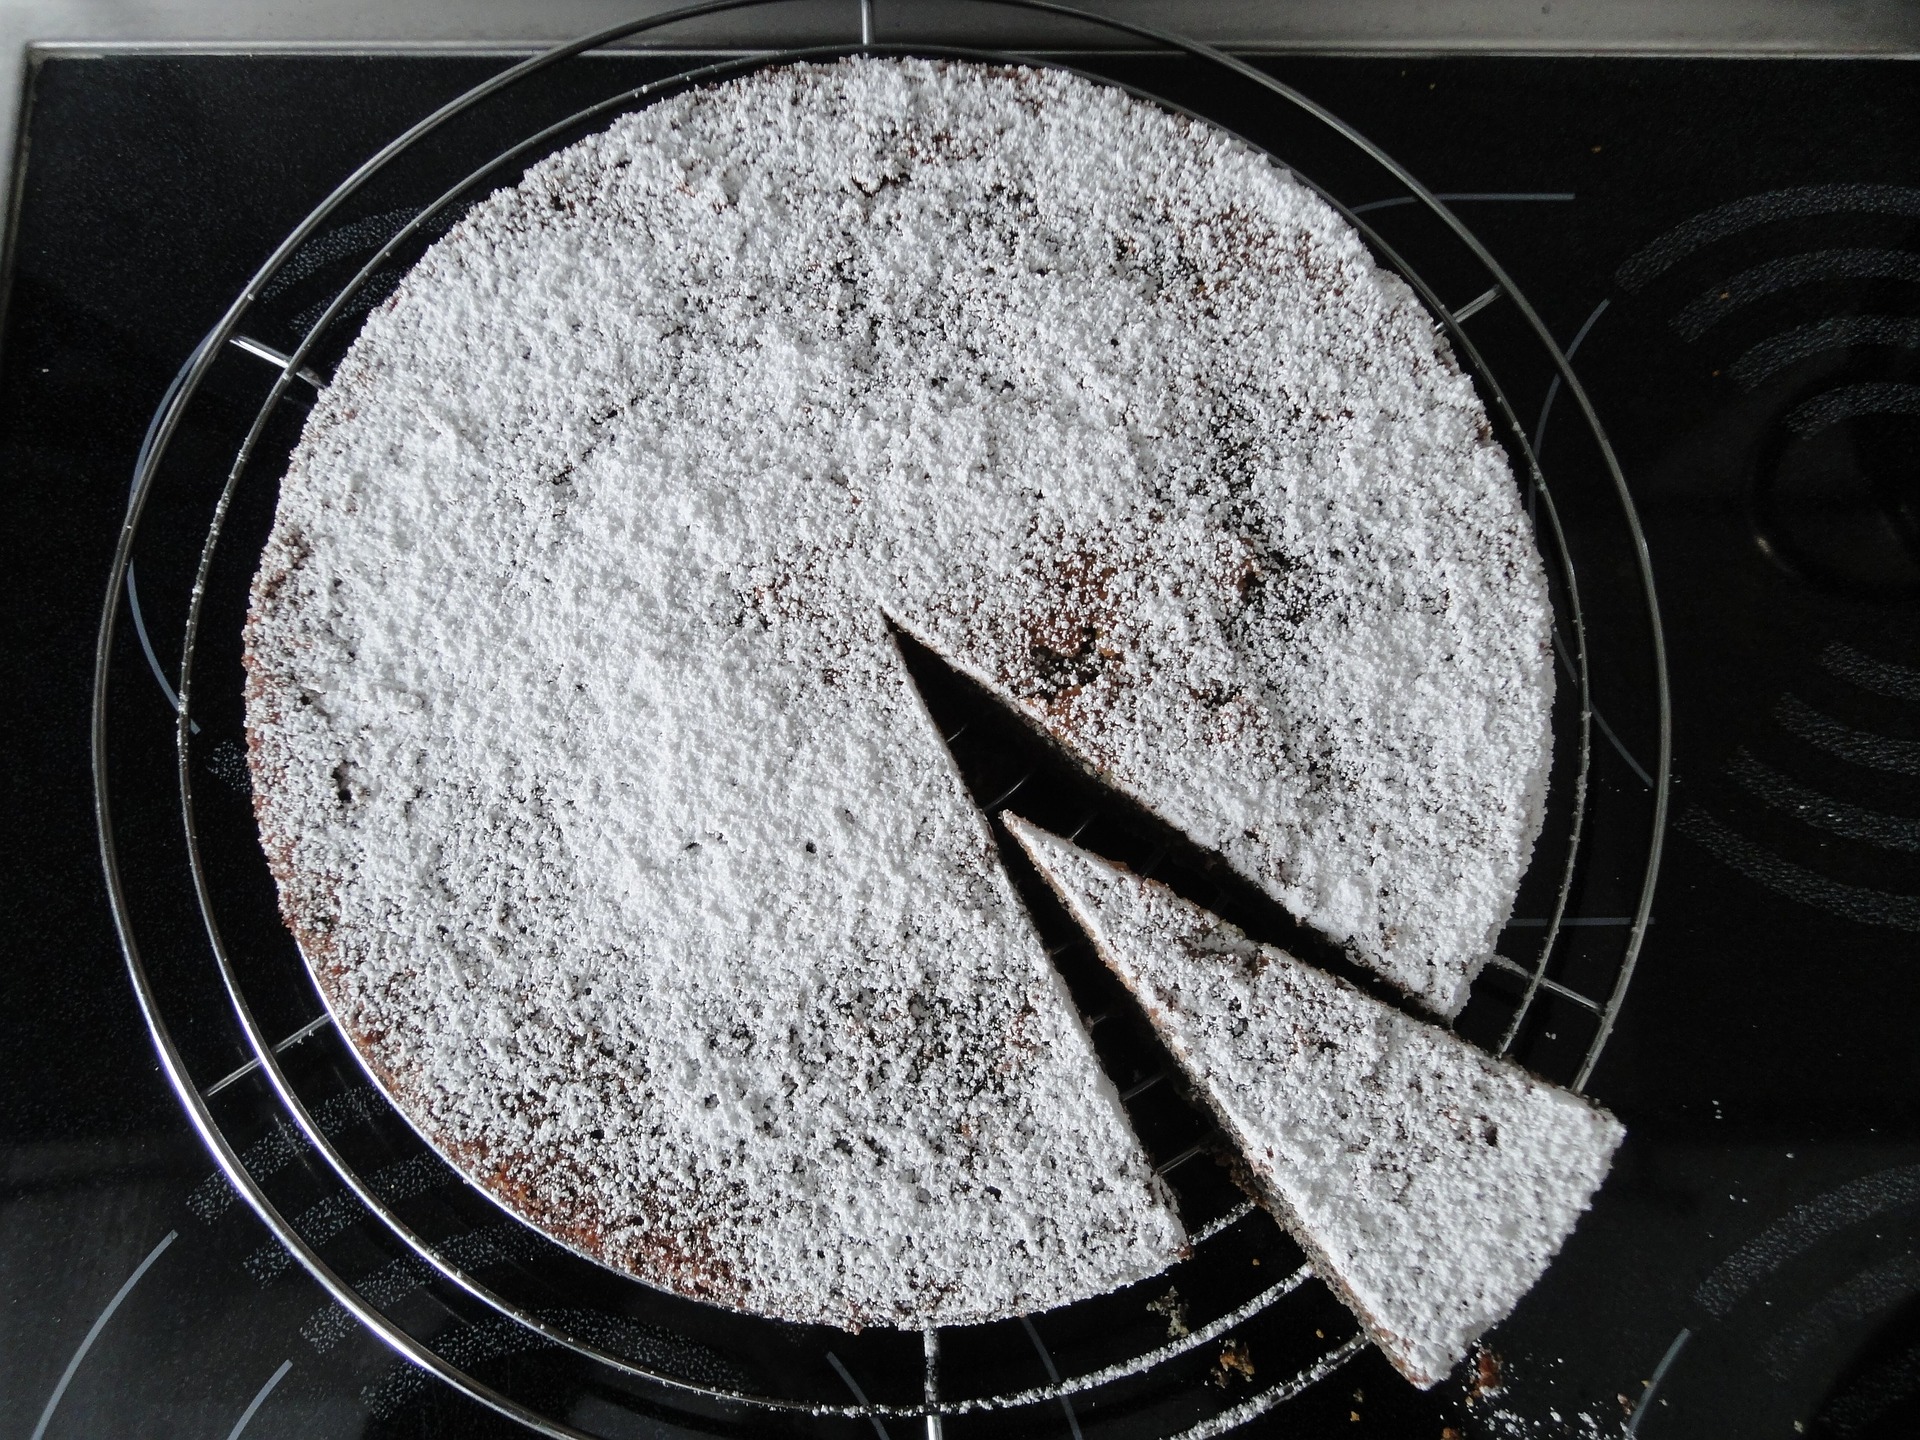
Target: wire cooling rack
518, 1323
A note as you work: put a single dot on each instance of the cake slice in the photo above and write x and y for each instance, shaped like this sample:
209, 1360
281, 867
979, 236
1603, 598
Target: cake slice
1430, 1183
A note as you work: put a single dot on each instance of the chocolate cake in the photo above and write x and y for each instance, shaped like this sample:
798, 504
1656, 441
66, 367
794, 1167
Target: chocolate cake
613, 830
1430, 1183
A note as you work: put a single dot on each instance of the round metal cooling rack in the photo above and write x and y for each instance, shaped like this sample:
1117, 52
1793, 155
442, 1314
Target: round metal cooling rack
278, 1096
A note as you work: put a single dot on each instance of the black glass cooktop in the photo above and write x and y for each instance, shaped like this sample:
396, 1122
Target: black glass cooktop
1731, 252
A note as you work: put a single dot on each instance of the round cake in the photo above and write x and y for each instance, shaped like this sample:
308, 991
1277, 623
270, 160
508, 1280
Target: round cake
611, 826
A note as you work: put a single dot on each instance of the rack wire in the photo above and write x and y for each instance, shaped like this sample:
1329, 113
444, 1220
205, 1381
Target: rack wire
240, 1014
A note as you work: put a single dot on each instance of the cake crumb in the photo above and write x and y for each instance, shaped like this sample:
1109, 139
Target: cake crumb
1234, 1364
1174, 1310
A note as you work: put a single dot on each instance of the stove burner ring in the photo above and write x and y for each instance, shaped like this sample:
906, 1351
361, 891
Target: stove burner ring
1833, 496
284, 1095
1836, 493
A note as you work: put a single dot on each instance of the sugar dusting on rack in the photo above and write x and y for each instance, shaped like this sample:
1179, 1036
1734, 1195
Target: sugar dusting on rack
593, 784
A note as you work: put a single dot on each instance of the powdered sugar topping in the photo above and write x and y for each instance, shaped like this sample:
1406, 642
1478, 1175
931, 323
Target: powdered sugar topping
1430, 1182
593, 783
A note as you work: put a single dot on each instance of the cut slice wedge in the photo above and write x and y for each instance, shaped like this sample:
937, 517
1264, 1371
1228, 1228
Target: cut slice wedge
1430, 1183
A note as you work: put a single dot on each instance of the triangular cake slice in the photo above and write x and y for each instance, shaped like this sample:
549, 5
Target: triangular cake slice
1430, 1182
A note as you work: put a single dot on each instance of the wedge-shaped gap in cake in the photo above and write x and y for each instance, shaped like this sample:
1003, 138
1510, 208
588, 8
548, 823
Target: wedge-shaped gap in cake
1001, 759
1009, 763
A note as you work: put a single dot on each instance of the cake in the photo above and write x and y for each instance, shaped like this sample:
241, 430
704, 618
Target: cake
612, 829
1429, 1182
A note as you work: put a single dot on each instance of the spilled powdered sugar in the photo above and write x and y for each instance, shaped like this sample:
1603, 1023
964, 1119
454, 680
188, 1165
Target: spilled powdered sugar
594, 786
1429, 1182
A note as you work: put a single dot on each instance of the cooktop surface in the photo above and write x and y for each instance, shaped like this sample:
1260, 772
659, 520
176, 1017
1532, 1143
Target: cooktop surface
1729, 252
